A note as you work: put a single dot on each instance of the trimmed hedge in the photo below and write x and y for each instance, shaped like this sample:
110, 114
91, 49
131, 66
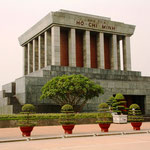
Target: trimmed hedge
46, 116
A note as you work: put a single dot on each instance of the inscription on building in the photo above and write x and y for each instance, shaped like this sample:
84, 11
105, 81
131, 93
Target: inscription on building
95, 24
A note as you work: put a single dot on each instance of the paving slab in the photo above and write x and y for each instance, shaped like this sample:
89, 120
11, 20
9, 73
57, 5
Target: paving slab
43, 131
118, 142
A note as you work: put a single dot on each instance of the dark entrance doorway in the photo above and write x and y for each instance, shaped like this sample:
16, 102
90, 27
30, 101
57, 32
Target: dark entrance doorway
136, 99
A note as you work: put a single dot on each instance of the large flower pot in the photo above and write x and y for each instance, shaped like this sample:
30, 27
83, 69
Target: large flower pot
68, 128
136, 125
104, 127
26, 131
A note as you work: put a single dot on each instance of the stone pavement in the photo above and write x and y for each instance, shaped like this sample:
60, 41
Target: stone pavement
50, 131
114, 142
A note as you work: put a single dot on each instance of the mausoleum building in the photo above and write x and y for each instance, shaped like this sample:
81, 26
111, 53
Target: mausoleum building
66, 42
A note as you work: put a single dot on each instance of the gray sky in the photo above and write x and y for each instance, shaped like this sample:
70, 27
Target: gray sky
17, 16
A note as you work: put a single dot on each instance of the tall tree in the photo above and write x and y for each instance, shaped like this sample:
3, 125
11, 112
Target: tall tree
71, 89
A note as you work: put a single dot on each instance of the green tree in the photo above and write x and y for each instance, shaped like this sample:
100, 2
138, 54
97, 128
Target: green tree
71, 89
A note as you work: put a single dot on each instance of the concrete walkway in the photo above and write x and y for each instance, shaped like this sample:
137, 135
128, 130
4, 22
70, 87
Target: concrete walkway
44, 131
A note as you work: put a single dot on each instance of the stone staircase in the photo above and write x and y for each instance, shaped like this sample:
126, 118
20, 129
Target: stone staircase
8, 102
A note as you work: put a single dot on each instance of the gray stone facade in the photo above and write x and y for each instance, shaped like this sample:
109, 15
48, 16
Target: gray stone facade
28, 88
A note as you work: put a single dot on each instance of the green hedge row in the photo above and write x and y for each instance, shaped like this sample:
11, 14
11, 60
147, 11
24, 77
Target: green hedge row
46, 116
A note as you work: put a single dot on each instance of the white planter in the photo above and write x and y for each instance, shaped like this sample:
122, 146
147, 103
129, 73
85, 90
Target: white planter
119, 118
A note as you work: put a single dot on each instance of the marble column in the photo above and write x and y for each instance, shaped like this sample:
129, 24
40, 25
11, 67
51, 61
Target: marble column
100, 50
55, 39
118, 54
86, 49
126, 54
114, 64
41, 52
30, 58
25, 60
72, 48
47, 43
35, 55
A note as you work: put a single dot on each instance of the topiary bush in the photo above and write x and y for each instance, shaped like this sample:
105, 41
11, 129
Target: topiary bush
135, 114
66, 108
134, 106
27, 120
68, 116
119, 96
28, 108
104, 115
110, 102
103, 107
118, 105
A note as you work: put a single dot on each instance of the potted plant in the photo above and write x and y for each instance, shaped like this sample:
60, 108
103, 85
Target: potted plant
110, 102
27, 123
119, 109
67, 118
104, 117
135, 116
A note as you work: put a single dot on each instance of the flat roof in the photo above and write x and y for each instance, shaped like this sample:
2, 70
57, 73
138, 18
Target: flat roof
76, 20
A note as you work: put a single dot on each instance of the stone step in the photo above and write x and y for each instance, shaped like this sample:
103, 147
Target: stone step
10, 88
2, 93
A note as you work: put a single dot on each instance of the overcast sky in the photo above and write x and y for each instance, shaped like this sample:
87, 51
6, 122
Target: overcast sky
17, 16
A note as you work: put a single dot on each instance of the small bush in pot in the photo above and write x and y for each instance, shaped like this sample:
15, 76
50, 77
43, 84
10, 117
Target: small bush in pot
27, 123
104, 117
118, 105
110, 102
67, 118
135, 116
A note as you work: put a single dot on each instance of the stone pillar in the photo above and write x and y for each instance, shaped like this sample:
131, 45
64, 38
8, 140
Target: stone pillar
126, 54
55, 45
114, 64
47, 43
72, 48
147, 105
25, 60
35, 55
100, 50
41, 52
86, 49
30, 58
118, 54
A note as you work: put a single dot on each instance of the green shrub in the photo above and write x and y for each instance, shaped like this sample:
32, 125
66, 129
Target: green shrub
135, 114
51, 116
66, 108
103, 107
110, 101
67, 116
118, 104
27, 120
104, 116
28, 108
119, 96
85, 115
135, 106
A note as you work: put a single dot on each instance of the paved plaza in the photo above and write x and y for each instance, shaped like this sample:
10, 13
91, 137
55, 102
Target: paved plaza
118, 142
134, 140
